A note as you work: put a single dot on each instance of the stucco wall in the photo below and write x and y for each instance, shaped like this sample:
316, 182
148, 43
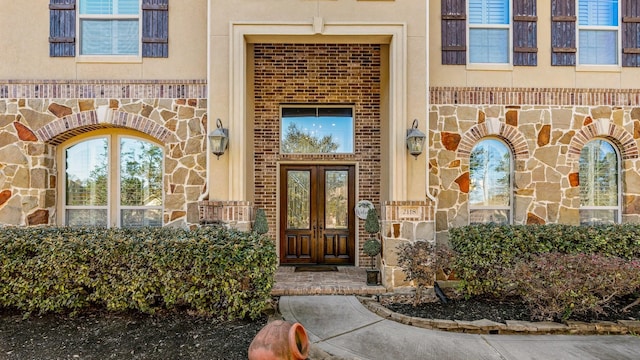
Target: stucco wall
25, 35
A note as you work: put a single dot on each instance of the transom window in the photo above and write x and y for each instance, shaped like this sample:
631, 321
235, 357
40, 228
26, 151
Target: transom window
489, 31
599, 183
113, 180
490, 183
109, 27
317, 130
598, 32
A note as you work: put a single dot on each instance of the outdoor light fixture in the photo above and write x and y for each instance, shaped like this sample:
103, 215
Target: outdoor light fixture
415, 139
219, 139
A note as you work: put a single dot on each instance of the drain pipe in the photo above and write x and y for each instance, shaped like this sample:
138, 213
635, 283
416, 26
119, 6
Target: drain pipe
205, 195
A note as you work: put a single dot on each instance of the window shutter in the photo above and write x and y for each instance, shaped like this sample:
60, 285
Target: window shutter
454, 32
155, 28
525, 33
563, 32
630, 33
62, 28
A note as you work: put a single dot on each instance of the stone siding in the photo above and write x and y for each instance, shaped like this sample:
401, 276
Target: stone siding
316, 74
545, 130
37, 116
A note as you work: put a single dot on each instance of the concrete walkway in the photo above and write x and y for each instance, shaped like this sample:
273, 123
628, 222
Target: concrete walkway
343, 327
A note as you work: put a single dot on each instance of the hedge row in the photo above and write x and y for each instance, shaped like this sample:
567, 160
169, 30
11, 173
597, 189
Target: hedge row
487, 253
212, 271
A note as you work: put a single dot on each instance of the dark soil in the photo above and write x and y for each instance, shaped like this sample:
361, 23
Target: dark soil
498, 311
104, 335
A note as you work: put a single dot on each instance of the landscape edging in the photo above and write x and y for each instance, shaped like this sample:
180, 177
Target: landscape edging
485, 326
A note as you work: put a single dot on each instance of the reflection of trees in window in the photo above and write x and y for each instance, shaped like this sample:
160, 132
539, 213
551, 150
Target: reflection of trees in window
82, 188
298, 199
336, 189
140, 173
489, 172
300, 142
598, 174
490, 182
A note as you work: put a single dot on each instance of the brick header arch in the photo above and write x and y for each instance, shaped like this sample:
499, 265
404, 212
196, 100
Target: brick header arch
60, 130
604, 128
510, 134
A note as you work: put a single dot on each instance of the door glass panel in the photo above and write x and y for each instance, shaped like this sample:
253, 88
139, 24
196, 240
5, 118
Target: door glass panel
336, 199
298, 200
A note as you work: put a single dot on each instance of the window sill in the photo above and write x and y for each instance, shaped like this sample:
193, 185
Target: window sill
490, 67
598, 68
106, 59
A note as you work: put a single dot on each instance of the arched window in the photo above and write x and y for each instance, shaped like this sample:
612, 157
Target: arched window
112, 180
490, 182
599, 183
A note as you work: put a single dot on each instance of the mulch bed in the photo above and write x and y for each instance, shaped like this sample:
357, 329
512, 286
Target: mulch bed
105, 335
498, 311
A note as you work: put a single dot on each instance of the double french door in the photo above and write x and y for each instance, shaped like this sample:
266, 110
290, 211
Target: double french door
317, 223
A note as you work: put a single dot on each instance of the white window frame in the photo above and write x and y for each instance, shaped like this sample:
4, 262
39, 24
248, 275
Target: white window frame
619, 198
508, 208
319, 106
491, 66
113, 207
112, 57
617, 29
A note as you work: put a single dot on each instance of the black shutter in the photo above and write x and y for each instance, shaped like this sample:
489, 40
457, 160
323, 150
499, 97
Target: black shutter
454, 32
630, 33
563, 32
62, 28
155, 28
525, 33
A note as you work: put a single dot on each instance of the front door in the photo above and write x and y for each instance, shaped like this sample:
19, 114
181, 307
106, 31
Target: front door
317, 224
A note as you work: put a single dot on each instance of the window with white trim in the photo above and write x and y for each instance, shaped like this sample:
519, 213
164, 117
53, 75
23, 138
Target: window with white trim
598, 32
109, 27
490, 168
113, 180
599, 183
489, 32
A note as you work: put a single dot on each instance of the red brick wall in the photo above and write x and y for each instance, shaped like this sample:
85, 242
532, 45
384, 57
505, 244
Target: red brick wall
316, 74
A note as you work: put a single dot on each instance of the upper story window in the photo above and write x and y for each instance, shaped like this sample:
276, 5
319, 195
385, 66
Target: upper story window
599, 183
317, 130
117, 29
498, 32
490, 182
489, 31
113, 180
598, 32
109, 27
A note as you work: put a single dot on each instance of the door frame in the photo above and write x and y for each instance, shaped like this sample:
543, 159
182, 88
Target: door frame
279, 199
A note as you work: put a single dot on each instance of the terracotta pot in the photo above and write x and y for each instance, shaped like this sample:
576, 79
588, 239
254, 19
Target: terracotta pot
280, 340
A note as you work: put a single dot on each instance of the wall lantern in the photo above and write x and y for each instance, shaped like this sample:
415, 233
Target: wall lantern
219, 139
415, 139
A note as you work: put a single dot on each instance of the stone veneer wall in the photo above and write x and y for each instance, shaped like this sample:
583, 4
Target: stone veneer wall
316, 74
403, 222
36, 116
545, 129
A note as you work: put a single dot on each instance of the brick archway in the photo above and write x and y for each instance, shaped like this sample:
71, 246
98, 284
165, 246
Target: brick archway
604, 128
493, 127
60, 130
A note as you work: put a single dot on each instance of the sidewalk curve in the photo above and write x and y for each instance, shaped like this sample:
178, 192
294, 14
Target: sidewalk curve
342, 326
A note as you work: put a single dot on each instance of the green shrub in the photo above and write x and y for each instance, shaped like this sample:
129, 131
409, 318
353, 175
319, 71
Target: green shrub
260, 225
486, 253
554, 286
212, 271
